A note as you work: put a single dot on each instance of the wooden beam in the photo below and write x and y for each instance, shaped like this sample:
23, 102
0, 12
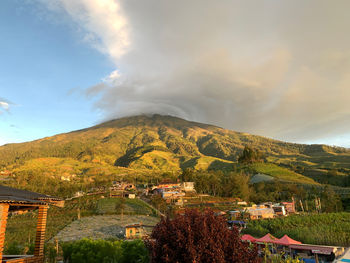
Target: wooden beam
4, 209
40, 231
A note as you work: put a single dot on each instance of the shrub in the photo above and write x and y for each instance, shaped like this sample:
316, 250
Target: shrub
89, 251
198, 237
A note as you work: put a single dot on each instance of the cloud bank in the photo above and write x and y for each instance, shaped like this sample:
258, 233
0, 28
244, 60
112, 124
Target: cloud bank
274, 68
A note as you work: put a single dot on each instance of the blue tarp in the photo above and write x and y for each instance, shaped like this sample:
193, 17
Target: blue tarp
308, 260
236, 222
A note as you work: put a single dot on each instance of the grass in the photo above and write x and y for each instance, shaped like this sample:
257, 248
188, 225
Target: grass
21, 228
280, 173
322, 229
129, 206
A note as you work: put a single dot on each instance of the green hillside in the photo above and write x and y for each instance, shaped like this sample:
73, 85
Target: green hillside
141, 144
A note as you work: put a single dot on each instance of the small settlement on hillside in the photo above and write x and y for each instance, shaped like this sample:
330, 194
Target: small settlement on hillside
238, 213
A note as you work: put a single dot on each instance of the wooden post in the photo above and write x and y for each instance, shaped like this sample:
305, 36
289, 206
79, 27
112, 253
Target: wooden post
316, 258
4, 208
301, 205
40, 231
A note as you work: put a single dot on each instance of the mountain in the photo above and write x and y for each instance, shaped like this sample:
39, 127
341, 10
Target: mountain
168, 144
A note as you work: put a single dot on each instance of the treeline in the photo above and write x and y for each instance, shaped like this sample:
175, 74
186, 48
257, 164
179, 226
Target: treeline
236, 184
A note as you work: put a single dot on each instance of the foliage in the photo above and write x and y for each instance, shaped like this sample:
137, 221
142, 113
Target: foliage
277, 258
124, 206
198, 237
158, 202
158, 143
279, 173
14, 249
250, 155
322, 229
88, 250
217, 183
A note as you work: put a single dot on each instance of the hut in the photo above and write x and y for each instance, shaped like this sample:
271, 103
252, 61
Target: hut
16, 200
134, 231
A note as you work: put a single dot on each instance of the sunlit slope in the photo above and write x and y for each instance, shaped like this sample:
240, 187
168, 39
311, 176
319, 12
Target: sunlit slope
166, 143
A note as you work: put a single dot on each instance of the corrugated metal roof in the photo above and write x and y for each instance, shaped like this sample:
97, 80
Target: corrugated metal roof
327, 250
12, 199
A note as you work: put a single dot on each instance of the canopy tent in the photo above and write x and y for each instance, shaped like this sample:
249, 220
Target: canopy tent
268, 238
247, 237
286, 241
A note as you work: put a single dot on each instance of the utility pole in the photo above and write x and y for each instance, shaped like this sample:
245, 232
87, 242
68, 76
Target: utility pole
301, 205
320, 204
306, 206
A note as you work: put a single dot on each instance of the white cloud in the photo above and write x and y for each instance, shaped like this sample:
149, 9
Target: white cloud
4, 105
275, 68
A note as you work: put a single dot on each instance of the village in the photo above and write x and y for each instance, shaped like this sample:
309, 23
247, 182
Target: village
237, 212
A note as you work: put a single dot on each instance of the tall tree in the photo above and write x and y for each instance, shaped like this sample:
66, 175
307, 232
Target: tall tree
250, 155
196, 237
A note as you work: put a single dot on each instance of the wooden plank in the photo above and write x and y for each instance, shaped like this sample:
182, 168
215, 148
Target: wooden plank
4, 209
40, 231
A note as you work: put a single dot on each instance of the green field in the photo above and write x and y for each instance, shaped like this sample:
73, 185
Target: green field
126, 206
279, 173
21, 228
322, 229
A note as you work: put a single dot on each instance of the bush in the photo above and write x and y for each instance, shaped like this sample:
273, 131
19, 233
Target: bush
14, 249
89, 251
198, 237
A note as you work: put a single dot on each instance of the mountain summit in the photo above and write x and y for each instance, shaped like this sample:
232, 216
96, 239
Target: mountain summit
166, 143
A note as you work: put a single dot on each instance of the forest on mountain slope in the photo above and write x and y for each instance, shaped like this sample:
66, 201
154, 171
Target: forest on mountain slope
144, 145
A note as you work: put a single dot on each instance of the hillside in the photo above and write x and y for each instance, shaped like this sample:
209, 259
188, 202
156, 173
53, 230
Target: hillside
164, 144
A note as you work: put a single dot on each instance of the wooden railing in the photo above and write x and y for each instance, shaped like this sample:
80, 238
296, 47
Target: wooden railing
22, 259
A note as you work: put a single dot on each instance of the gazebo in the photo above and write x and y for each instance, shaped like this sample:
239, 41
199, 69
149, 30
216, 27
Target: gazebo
286, 241
268, 238
248, 238
16, 200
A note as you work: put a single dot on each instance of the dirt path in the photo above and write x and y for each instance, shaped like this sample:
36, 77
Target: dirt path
104, 226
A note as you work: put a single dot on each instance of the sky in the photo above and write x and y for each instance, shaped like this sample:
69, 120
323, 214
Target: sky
279, 69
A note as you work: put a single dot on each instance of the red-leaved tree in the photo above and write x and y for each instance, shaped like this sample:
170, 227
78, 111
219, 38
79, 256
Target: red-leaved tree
198, 237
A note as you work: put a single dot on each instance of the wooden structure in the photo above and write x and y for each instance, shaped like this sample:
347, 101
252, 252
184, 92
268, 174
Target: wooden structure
134, 231
16, 200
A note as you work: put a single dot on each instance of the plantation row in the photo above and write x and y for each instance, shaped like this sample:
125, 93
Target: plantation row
321, 229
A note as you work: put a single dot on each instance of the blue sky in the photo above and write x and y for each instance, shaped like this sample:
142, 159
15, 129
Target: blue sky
279, 69
44, 69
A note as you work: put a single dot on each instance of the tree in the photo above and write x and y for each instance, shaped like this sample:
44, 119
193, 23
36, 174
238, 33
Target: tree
198, 237
250, 155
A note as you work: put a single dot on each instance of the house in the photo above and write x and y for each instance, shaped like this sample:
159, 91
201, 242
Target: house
260, 213
188, 186
130, 195
121, 186
279, 210
167, 184
172, 194
134, 231
15, 200
79, 194
290, 207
